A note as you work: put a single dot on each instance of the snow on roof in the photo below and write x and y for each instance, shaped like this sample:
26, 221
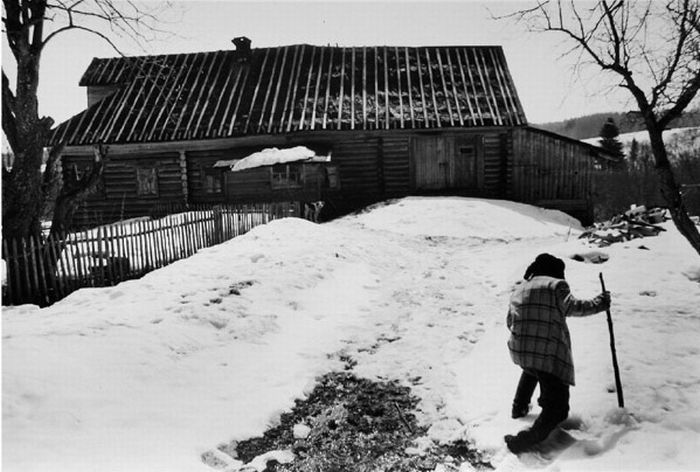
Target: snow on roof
272, 156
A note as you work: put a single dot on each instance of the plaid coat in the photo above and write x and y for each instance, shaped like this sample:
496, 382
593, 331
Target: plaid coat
539, 336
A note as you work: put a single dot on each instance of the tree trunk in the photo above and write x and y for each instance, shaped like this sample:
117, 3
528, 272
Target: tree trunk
670, 191
22, 187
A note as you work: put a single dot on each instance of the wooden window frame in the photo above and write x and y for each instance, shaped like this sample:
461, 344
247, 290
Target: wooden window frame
212, 175
142, 191
286, 176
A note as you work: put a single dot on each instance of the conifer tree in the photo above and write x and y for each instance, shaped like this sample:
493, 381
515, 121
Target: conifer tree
609, 137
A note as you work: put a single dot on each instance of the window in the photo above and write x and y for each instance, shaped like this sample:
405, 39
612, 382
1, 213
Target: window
285, 176
333, 179
213, 180
467, 151
146, 182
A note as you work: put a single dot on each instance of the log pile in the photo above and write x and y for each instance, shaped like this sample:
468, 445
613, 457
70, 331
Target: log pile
637, 222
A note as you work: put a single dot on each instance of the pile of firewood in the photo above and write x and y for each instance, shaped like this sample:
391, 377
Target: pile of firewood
637, 222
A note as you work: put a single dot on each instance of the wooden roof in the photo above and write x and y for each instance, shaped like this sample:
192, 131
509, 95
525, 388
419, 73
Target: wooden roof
294, 88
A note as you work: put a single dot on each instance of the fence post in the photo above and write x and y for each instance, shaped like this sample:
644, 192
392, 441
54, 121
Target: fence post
218, 224
9, 264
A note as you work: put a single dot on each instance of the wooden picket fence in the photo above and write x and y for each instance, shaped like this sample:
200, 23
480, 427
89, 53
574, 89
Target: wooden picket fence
43, 270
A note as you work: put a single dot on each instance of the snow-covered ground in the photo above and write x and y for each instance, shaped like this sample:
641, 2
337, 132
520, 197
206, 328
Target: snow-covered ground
148, 375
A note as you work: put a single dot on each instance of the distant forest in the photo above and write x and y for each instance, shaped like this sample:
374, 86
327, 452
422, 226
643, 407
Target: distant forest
589, 126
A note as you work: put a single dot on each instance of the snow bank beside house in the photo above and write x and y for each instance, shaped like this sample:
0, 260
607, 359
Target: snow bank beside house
150, 374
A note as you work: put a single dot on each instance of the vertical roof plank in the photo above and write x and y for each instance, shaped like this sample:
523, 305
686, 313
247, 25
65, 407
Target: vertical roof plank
328, 90
341, 95
398, 80
364, 88
306, 89
454, 88
432, 88
319, 73
410, 91
426, 123
444, 88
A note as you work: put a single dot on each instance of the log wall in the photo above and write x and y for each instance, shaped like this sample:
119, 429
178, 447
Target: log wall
550, 172
522, 164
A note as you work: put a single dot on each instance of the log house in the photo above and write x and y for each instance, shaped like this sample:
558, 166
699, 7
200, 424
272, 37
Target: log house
397, 121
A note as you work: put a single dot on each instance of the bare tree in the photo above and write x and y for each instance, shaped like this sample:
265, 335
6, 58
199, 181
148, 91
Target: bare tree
653, 49
29, 25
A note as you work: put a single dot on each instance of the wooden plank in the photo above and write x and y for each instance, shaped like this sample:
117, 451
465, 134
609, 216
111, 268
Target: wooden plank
298, 61
410, 89
319, 74
30, 270
55, 245
466, 87
341, 97
328, 90
444, 87
454, 88
306, 89
23, 286
387, 103
162, 242
352, 89
38, 263
138, 234
432, 88
422, 89
10, 264
364, 87
398, 81
376, 88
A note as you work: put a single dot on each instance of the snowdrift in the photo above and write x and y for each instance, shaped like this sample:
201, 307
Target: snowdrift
149, 374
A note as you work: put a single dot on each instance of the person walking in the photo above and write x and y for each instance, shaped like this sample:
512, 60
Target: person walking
541, 345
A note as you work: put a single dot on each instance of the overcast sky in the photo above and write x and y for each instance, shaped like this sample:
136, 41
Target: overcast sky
546, 84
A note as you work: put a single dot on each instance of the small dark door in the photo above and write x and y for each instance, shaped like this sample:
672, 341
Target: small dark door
445, 162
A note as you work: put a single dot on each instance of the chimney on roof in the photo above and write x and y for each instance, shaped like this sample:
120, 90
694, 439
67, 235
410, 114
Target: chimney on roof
242, 48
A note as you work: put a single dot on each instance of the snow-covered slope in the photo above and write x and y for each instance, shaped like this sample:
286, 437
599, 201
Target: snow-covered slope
151, 373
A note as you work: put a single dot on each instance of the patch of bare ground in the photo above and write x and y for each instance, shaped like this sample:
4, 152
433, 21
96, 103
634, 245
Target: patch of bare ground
352, 424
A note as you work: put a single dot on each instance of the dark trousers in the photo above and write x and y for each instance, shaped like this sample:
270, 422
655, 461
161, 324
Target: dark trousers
554, 400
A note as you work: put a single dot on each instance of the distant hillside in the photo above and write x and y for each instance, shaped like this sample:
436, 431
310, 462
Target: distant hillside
588, 126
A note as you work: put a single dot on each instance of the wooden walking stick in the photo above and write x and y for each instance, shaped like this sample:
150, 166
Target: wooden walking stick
618, 383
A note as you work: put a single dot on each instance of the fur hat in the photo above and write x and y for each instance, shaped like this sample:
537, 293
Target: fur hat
546, 264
